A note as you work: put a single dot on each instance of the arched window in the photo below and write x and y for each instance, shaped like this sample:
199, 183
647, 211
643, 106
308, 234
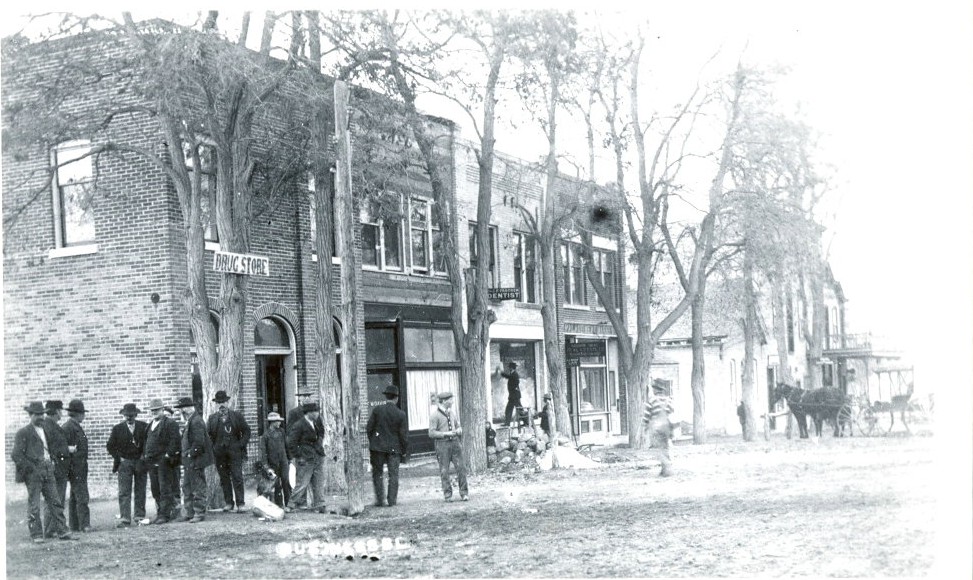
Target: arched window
270, 333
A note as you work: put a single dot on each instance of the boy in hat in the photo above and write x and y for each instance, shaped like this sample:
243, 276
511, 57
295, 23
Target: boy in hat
305, 444
273, 455
656, 417
388, 443
545, 415
126, 445
59, 453
197, 455
230, 434
79, 515
35, 468
161, 456
445, 431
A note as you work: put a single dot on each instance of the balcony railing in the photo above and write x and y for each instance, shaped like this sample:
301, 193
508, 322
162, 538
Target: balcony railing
863, 341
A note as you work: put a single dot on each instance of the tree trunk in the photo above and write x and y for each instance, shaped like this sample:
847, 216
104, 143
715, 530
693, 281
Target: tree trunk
698, 380
350, 276
748, 380
815, 338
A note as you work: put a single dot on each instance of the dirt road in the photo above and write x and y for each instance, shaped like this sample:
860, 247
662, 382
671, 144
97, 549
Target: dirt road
856, 507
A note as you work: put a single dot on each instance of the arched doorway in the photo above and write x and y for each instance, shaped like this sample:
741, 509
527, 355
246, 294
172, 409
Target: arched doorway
273, 341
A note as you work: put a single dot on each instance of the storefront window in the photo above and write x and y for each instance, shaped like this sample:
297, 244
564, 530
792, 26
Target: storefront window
379, 345
593, 389
429, 345
522, 353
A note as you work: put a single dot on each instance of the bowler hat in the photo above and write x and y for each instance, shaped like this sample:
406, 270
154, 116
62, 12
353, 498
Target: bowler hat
221, 397
76, 406
548, 396
35, 407
130, 409
391, 390
310, 407
185, 402
274, 416
156, 404
53, 406
445, 395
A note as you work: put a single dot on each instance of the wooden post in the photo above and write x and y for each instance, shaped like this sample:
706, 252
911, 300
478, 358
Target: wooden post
344, 224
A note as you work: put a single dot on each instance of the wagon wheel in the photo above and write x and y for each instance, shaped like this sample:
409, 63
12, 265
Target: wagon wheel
874, 423
846, 416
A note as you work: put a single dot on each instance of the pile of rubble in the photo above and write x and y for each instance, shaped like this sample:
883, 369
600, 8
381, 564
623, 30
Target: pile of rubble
518, 449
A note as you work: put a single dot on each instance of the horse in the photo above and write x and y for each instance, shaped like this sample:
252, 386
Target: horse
820, 404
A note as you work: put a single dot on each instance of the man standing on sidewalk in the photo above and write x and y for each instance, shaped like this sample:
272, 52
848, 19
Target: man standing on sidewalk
197, 455
79, 515
388, 443
162, 460
126, 445
35, 467
230, 434
305, 444
59, 454
446, 433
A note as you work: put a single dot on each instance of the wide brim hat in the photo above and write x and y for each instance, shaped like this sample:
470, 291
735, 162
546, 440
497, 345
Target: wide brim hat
156, 404
76, 406
185, 402
445, 395
221, 397
548, 396
310, 407
54, 406
391, 390
274, 416
35, 407
130, 409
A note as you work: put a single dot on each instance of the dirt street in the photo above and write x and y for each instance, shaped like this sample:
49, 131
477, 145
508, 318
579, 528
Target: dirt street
857, 507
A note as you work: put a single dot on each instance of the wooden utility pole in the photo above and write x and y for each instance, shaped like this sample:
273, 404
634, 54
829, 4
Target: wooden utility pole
344, 224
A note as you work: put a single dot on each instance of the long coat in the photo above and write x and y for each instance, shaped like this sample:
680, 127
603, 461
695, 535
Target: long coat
197, 449
304, 440
163, 442
74, 435
125, 444
57, 444
387, 430
239, 431
28, 452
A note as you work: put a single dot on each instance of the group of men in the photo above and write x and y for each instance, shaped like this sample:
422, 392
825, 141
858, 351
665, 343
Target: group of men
49, 455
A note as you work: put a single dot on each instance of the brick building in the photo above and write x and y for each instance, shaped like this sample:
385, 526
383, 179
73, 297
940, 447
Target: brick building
93, 295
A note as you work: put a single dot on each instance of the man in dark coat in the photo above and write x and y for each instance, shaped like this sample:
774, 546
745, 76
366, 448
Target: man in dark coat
59, 453
162, 456
388, 443
197, 455
305, 444
513, 391
79, 515
35, 467
273, 454
126, 445
230, 434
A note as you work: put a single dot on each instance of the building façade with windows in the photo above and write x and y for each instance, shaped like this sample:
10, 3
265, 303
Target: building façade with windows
95, 273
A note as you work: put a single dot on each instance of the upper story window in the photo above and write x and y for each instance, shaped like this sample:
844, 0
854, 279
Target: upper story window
381, 238
425, 237
207, 186
574, 286
605, 266
474, 258
525, 268
73, 194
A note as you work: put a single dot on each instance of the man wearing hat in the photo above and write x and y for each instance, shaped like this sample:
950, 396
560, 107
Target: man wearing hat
197, 455
305, 442
35, 468
388, 443
59, 452
161, 457
126, 445
273, 454
79, 517
513, 390
230, 434
446, 432
657, 418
